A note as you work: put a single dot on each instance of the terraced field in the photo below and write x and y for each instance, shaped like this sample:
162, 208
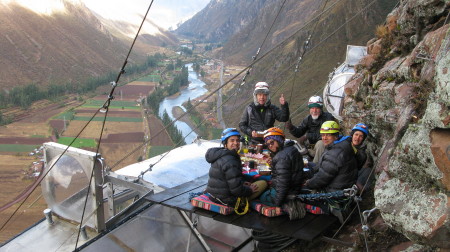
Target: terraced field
124, 133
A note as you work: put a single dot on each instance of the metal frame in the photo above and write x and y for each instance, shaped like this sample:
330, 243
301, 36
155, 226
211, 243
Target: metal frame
193, 227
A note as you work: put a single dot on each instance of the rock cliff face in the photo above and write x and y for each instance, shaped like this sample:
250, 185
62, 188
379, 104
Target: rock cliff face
402, 90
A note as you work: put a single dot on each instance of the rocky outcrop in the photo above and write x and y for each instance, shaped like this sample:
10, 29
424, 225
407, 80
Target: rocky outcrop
402, 90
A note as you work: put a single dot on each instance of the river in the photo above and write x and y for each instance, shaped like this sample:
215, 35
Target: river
194, 90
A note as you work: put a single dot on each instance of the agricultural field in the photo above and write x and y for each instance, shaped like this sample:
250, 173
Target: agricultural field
17, 141
123, 142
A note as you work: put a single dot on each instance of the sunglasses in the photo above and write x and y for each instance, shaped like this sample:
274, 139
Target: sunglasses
270, 142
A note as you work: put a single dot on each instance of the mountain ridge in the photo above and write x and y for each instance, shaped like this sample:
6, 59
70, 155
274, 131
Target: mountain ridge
64, 46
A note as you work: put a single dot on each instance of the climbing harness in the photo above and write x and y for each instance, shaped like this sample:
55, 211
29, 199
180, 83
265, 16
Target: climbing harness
241, 202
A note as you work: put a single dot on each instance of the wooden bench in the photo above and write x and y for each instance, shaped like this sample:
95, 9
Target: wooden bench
307, 228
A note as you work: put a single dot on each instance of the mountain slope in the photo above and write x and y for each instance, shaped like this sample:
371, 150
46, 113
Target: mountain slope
221, 19
68, 45
293, 15
336, 28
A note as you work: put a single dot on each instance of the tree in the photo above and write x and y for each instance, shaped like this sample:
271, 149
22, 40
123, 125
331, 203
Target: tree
170, 67
197, 67
179, 63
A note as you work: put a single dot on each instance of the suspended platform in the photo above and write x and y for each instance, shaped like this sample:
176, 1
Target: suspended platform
151, 213
307, 228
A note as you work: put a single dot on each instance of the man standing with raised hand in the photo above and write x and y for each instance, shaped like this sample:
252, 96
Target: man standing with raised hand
261, 113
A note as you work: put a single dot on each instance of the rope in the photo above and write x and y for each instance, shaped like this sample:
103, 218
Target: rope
290, 37
305, 47
221, 86
326, 38
302, 107
322, 196
264, 40
362, 222
39, 180
193, 195
110, 97
106, 107
262, 43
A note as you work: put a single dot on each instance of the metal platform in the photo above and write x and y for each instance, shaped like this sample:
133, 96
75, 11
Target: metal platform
307, 228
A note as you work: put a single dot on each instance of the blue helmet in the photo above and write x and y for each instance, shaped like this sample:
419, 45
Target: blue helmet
229, 132
361, 127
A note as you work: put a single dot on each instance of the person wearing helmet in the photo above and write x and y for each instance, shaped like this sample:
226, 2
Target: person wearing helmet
261, 113
336, 170
226, 182
308, 130
358, 134
287, 168
337, 167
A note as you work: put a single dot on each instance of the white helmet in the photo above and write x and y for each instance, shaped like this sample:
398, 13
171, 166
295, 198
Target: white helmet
261, 88
315, 101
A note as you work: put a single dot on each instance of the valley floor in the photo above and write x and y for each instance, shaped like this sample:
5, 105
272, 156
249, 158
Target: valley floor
21, 160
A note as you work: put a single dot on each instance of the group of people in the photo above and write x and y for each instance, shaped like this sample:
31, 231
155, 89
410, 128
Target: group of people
337, 160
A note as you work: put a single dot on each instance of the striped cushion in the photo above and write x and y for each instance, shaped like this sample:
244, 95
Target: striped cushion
269, 211
314, 209
204, 202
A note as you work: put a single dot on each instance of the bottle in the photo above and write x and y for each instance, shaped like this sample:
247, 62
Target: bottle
244, 149
305, 162
259, 148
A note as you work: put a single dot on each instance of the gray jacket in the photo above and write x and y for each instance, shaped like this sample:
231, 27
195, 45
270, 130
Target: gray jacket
260, 118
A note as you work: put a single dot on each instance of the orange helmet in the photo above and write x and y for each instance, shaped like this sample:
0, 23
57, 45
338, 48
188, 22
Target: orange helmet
274, 131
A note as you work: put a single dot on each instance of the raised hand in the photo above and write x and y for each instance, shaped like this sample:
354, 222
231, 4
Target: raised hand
282, 100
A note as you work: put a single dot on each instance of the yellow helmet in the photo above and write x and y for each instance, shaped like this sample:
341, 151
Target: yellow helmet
274, 131
330, 127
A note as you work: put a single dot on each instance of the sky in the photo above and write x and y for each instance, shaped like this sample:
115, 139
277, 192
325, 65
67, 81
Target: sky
164, 13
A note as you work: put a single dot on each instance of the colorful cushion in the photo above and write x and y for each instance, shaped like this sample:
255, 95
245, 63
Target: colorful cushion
314, 209
203, 201
269, 211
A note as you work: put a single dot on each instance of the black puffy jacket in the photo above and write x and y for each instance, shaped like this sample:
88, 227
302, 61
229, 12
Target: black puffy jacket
260, 118
226, 181
361, 156
311, 127
287, 170
337, 168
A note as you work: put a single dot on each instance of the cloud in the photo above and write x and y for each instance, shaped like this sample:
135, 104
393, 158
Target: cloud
164, 13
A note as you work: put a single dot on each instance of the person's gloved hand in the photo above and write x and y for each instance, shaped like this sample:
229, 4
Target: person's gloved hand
289, 125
